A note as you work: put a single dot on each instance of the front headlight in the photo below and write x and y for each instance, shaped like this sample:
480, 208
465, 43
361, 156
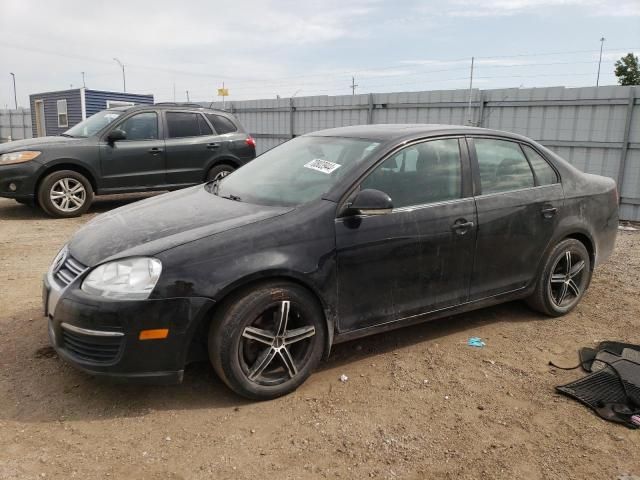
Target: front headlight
18, 157
127, 279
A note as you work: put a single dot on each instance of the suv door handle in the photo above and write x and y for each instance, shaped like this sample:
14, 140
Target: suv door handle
212, 146
155, 150
548, 212
462, 226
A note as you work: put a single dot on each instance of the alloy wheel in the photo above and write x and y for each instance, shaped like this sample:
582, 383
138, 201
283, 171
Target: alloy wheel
221, 175
68, 194
566, 280
276, 345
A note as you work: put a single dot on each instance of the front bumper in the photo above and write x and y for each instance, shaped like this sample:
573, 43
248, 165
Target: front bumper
100, 336
19, 180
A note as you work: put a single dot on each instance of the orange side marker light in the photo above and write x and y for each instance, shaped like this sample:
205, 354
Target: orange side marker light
155, 334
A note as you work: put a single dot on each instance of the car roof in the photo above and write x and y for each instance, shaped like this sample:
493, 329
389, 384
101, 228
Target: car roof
398, 131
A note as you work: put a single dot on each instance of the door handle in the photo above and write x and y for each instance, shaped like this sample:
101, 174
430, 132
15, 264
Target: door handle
548, 212
155, 150
212, 146
462, 226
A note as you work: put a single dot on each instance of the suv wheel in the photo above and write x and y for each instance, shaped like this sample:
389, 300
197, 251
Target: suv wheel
218, 172
65, 194
265, 343
563, 280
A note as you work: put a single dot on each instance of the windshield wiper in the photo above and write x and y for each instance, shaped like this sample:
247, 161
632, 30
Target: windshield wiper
66, 135
235, 198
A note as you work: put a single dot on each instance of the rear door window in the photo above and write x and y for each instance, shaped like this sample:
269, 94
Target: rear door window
186, 124
503, 166
221, 124
545, 174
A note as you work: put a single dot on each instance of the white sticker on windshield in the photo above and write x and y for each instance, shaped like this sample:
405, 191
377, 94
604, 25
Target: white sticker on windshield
111, 116
324, 166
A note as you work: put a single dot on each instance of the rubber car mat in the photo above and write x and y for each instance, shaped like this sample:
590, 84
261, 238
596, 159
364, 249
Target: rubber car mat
613, 392
587, 355
617, 347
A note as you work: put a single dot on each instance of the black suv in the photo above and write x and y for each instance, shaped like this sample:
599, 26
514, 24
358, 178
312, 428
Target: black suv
165, 146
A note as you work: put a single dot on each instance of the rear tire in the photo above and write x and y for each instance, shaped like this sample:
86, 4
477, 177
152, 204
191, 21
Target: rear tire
217, 172
265, 342
563, 280
65, 194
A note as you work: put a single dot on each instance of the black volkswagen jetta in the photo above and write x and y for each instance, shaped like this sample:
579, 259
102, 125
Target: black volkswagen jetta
331, 236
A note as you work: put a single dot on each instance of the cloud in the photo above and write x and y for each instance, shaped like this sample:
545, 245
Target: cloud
471, 8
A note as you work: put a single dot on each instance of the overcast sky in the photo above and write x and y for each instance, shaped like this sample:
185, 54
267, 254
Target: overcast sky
264, 48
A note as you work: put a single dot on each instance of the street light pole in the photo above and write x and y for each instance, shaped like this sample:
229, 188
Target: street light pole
15, 97
124, 79
600, 61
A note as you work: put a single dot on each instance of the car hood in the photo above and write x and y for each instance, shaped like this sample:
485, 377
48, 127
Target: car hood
156, 224
34, 143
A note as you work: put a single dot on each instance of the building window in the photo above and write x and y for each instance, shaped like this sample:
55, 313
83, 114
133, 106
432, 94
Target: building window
119, 103
63, 119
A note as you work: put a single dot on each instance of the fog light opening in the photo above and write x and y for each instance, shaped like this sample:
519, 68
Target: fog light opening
13, 187
154, 334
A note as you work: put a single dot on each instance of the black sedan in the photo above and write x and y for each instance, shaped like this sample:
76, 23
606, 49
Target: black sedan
331, 236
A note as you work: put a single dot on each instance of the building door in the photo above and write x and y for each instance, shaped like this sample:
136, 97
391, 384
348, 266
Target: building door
41, 130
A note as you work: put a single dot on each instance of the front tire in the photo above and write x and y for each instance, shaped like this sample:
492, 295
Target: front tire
564, 279
265, 342
65, 194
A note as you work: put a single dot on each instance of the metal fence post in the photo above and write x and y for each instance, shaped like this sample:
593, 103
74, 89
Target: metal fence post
370, 109
292, 110
625, 139
481, 111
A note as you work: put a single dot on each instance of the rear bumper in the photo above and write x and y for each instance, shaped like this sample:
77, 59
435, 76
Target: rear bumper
101, 337
19, 180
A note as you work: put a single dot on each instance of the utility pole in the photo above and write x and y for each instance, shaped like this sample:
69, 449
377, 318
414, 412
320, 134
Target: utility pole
353, 85
600, 61
84, 85
188, 96
15, 97
124, 79
470, 92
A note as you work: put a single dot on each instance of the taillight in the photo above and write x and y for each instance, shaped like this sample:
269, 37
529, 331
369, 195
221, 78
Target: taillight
250, 141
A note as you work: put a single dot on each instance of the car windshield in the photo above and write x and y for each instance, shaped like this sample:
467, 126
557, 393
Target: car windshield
295, 172
93, 124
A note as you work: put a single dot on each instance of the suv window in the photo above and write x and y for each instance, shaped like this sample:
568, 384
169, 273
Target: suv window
221, 124
186, 124
503, 166
545, 174
141, 126
423, 173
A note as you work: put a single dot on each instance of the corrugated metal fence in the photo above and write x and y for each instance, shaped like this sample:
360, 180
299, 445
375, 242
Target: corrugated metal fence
596, 129
15, 124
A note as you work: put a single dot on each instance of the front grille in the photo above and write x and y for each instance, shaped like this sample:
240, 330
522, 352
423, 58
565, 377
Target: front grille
69, 270
91, 348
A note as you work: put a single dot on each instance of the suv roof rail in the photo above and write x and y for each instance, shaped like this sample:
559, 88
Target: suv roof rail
181, 104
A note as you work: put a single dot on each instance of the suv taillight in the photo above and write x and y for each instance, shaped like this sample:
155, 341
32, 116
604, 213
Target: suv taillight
250, 141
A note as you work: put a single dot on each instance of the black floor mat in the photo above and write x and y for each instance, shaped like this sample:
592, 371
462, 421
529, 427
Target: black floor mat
603, 391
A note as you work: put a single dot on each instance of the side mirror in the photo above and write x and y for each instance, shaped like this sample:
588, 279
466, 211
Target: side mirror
371, 202
116, 135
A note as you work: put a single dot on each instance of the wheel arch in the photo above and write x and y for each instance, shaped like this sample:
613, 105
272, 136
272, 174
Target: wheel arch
66, 165
232, 291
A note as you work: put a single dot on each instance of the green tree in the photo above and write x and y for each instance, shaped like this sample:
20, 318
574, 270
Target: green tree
627, 70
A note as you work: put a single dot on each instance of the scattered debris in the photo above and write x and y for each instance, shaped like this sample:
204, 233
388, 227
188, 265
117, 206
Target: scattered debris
476, 342
627, 228
343, 378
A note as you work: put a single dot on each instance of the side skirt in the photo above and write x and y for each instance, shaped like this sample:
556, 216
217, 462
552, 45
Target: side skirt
434, 315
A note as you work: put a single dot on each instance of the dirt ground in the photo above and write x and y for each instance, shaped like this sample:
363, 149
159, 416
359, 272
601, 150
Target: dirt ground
418, 403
